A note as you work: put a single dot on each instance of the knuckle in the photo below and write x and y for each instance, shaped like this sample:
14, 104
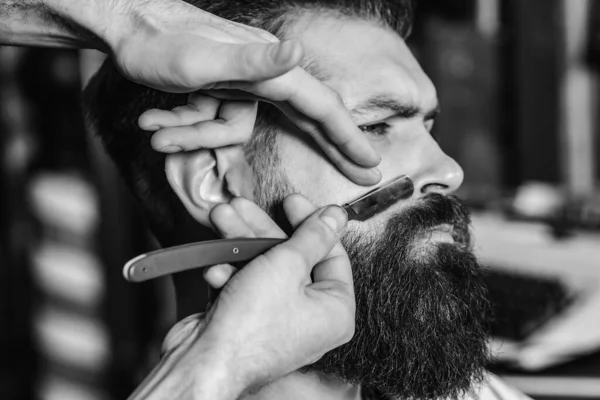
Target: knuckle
271, 259
181, 67
313, 131
181, 111
293, 256
247, 59
320, 231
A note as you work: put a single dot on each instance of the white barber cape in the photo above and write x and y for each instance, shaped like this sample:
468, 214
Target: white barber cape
495, 389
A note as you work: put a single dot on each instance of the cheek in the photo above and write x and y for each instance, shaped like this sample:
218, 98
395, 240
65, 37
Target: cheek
397, 158
312, 174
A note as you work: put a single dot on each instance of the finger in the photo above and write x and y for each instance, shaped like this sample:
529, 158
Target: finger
257, 219
234, 126
239, 113
319, 103
218, 275
358, 174
335, 265
229, 223
313, 239
208, 134
203, 135
298, 209
227, 90
200, 107
337, 135
250, 62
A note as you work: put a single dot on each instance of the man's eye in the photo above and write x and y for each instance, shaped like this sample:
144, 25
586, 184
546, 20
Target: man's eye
429, 125
379, 129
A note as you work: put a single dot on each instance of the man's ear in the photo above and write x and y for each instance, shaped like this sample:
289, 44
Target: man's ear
204, 178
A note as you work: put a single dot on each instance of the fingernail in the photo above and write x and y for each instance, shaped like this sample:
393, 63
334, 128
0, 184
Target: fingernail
171, 149
335, 217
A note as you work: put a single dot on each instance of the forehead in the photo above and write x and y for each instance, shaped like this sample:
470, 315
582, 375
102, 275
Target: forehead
360, 58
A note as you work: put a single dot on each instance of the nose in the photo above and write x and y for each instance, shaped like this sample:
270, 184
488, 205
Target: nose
439, 173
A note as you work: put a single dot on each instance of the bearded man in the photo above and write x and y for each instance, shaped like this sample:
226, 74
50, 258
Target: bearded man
421, 307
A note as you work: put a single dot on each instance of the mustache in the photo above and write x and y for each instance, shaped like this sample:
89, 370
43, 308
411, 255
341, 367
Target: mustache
431, 212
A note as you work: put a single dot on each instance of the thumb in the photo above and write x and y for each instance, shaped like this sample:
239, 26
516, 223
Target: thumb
259, 61
314, 239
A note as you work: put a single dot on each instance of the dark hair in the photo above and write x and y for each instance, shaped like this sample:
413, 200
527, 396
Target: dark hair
113, 104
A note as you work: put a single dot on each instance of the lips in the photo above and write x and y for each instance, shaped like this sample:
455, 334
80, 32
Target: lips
425, 244
439, 234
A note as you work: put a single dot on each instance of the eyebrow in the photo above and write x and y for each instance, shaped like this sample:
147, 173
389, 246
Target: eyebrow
397, 107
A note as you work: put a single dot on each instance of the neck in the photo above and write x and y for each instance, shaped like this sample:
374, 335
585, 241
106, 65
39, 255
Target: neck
191, 297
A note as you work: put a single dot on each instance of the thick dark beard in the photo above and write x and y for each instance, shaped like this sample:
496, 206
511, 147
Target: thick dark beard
422, 311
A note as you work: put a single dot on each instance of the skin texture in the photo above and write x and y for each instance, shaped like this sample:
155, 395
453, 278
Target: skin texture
377, 63
164, 44
241, 345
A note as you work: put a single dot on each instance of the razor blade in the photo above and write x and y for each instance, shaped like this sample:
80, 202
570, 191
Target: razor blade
176, 259
380, 199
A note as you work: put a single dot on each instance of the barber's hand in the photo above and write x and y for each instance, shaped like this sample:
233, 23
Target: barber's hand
282, 311
299, 296
177, 47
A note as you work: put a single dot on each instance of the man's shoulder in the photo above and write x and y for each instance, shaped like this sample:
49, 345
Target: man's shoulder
493, 388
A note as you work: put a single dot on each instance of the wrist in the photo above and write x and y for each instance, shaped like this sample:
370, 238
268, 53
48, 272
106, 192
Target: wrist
92, 23
215, 374
191, 367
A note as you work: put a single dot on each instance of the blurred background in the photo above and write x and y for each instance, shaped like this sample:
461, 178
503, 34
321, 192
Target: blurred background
518, 85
